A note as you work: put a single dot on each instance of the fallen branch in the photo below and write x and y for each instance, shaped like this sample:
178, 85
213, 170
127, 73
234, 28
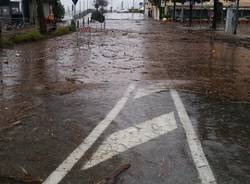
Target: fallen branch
11, 125
24, 179
111, 179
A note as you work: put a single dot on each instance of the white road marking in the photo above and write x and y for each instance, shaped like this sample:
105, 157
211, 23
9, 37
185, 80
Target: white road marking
141, 92
205, 173
157, 86
123, 140
66, 166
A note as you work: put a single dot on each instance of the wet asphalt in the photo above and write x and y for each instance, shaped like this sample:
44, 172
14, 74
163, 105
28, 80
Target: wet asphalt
53, 94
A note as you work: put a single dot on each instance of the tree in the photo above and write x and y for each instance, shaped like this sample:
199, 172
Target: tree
236, 16
58, 10
100, 3
214, 25
40, 17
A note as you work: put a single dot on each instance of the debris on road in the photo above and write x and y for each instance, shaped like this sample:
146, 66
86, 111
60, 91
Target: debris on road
17, 123
22, 179
111, 179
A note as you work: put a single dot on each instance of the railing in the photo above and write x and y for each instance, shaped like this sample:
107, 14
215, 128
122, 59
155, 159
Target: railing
12, 24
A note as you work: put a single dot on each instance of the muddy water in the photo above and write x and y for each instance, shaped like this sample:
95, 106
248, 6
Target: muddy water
132, 49
53, 93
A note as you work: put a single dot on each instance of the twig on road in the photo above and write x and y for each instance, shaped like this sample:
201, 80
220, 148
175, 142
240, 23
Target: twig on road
23, 179
111, 179
11, 125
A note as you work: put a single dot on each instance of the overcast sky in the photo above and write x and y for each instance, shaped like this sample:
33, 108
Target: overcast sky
116, 3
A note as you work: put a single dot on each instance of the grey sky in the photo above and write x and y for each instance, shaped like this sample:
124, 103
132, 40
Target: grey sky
116, 3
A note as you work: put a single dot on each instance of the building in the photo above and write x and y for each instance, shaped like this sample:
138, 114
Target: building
9, 8
151, 10
4, 8
164, 8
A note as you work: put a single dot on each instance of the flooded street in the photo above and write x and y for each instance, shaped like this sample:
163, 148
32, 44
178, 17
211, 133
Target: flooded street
56, 97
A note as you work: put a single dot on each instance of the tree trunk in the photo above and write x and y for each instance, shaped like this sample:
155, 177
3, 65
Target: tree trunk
174, 10
0, 32
40, 17
214, 26
236, 17
190, 13
182, 11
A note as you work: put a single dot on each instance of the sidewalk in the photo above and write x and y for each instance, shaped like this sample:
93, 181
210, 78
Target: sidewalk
242, 38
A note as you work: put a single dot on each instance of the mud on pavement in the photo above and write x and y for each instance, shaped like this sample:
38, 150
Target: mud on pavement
54, 93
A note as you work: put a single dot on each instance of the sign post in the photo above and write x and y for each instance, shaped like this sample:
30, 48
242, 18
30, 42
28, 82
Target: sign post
76, 26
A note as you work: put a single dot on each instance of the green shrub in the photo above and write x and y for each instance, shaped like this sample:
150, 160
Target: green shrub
62, 31
72, 28
29, 36
6, 43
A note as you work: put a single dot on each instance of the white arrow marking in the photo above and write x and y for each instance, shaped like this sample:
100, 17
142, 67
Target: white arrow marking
66, 166
126, 139
153, 88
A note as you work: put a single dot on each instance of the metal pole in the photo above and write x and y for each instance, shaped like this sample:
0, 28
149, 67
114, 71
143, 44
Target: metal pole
0, 32
80, 7
89, 36
76, 25
236, 16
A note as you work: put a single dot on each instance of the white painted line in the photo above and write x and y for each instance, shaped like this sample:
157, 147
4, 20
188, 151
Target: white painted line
150, 88
205, 173
66, 166
157, 86
131, 137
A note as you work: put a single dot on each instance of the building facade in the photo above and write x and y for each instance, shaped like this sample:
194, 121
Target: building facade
164, 8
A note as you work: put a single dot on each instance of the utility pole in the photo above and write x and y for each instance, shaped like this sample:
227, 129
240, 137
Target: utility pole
236, 17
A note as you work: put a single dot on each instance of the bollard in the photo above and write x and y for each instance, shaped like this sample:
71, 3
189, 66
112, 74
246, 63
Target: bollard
77, 34
0, 33
77, 24
0, 30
